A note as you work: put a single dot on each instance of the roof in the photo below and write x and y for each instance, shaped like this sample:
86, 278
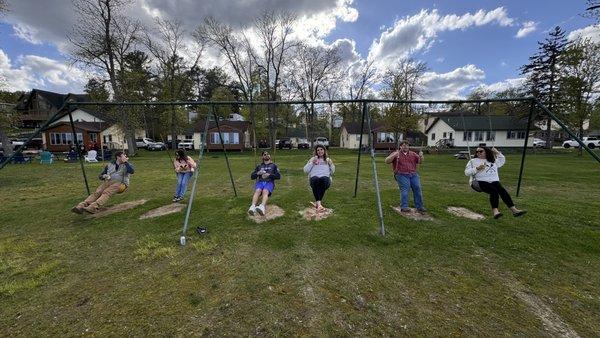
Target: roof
354, 127
94, 127
200, 124
482, 122
55, 99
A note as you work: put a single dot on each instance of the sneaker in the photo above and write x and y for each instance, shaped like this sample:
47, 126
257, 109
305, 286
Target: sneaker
252, 210
76, 209
201, 230
404, 209
422, 211
90, 209
260, 210
176, 199
498, 215
520, 213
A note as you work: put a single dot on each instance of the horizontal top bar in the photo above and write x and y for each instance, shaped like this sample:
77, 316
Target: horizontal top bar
221, 103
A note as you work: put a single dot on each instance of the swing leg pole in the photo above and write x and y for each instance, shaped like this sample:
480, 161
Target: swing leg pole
193, 193
362, 126
224, 150
374, 168
79, 152
531, 109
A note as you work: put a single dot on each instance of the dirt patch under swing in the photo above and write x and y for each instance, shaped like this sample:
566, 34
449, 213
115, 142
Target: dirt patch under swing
272, 211
466, 213
311, 214
117, 208
414, 214
164, 210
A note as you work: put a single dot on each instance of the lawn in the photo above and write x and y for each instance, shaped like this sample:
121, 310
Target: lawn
63, 274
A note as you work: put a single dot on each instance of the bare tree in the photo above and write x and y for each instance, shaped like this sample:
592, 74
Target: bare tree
168, 46
310, 72
3, 6
360, 77
404, 82
101, 38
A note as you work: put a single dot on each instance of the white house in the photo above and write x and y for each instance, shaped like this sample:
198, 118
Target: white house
472, 130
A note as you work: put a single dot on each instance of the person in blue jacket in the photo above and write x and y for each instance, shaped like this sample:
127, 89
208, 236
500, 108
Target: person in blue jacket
265, 175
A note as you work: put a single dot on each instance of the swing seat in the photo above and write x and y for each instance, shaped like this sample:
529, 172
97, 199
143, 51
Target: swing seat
475, 186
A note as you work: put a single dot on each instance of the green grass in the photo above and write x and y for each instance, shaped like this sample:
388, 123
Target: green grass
66, 274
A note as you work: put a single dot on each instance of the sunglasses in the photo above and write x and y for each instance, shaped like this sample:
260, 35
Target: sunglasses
480, 151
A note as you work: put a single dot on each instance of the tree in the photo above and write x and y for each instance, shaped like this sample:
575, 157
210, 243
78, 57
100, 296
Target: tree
8, 119
311, 71
580, 82
542, 73
403, 82
593, 10
100, 39
3, 6
359, 78
168, 47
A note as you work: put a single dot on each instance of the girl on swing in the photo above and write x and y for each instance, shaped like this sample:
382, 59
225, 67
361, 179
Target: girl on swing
484, 170
319, 169
184, 168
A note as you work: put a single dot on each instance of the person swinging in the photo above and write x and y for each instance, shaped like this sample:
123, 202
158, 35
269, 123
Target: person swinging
319, 168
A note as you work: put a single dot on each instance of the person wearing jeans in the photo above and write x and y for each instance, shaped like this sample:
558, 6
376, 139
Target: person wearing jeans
184, 168
319, 169
484, 169
404, 164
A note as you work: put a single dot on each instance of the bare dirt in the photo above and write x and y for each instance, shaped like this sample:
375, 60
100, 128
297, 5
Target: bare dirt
311, 214
117, 208
164, 210
414, 214
465, 213
272, 211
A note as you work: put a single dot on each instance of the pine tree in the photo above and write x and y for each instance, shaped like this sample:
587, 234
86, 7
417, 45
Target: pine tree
542, 73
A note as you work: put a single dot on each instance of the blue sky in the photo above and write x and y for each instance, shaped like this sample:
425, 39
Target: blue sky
465, 43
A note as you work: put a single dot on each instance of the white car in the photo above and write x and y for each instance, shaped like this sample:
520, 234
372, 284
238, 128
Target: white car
321, 141
538, 143
592, 142
186, 144
143, 142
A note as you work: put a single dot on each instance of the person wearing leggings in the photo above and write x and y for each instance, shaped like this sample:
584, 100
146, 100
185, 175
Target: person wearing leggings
319, 169
484, 169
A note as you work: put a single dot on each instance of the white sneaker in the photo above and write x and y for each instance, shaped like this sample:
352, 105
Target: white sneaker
252, 210
261, 210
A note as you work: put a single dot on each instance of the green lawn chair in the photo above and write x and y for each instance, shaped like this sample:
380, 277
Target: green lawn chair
46, 157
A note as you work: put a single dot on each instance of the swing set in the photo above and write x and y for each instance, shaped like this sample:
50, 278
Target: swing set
366, 118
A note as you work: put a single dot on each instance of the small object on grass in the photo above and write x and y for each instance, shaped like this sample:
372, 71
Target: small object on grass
182, 240
201, 230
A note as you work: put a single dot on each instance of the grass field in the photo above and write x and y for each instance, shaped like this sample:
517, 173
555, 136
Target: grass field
63, 274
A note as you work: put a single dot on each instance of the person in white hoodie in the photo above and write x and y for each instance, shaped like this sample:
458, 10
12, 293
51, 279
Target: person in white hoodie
484, 170
319, 169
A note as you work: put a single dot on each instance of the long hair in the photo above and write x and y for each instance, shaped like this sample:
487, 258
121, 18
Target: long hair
489, 154
181, 156
324, 149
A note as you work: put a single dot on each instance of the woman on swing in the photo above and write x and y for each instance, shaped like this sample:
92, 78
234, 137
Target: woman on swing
484, 169
184, 168
319, 169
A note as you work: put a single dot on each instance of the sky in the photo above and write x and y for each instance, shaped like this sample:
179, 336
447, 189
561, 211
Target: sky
466, 44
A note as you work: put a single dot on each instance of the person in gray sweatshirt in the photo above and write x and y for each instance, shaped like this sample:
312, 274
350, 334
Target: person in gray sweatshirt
115, 179
319, 168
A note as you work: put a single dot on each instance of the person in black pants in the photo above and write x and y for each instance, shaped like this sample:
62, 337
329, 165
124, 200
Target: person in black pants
319, 169
484, 170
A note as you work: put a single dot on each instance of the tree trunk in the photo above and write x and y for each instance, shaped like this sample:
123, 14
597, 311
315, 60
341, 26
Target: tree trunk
6, 145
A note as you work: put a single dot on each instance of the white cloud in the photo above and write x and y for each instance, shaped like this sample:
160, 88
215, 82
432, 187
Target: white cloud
527, 28
419, 32
504, 85
454, 84
589, 32
34, 71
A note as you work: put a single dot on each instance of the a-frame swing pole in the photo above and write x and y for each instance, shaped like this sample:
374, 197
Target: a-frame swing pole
374, 168
253, 120
214, 113
203, 141
362, 127
531, 109
79, 152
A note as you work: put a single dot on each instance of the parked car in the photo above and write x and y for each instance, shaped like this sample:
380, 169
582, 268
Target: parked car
186, 144
462, 155
592, 142
321, 141
156, 146
284, 143
143, 142
538, 143
303, 143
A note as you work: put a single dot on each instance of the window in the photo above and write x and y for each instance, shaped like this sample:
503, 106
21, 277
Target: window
521, 135
107, 138
468, 136
93, 137
444, 135
64, 138
479, 135
385, 137
228, 138
491, 136
433, 136
514, 135
451, 136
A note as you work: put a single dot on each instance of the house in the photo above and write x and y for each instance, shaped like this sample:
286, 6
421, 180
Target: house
90, 126
472, 130
236, 135
383, 136
37, 106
